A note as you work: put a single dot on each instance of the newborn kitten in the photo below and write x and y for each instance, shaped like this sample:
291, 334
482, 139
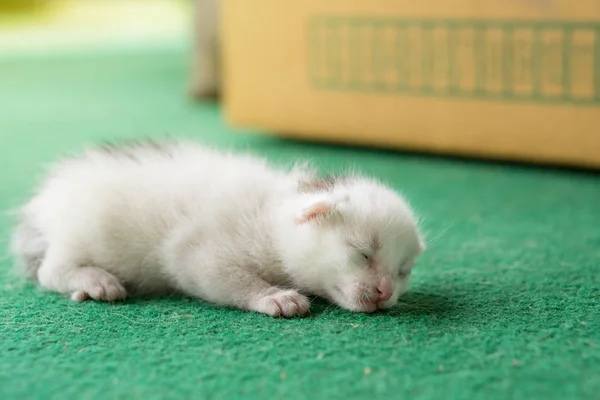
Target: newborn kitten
229, 229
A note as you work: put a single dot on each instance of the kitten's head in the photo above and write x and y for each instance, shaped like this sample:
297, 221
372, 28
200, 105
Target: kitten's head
353, 241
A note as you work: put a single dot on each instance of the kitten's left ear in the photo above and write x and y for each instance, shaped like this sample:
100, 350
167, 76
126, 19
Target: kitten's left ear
321, 208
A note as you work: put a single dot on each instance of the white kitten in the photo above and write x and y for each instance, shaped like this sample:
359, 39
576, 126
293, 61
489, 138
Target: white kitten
225, 228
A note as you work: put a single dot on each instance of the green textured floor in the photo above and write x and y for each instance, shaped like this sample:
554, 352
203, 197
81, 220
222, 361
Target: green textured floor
505, 304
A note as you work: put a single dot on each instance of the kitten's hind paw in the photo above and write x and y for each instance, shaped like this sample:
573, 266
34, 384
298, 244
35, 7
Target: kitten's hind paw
97, 284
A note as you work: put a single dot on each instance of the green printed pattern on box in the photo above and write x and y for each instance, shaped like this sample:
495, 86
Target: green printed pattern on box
502, 60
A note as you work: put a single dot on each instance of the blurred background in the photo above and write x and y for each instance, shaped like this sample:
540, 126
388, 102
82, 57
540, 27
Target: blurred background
514, 83
45, 26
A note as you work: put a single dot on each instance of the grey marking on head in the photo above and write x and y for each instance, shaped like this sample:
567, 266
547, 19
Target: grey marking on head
132, 148
320, 184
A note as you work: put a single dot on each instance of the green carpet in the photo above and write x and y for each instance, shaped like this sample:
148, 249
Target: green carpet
504, 305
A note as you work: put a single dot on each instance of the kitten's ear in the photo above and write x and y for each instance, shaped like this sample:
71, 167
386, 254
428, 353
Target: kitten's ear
321, 208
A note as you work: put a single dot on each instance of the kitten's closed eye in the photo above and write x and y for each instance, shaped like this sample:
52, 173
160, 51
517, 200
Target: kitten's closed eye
359, 250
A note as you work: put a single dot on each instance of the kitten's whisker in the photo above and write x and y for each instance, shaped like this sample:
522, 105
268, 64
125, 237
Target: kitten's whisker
439, 235
400, 233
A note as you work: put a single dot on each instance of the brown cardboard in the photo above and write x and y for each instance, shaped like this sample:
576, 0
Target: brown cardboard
512, 79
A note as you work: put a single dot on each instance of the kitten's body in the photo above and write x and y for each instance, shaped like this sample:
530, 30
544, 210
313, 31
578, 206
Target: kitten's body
225, 228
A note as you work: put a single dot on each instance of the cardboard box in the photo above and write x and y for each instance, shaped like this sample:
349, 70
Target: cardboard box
512, 79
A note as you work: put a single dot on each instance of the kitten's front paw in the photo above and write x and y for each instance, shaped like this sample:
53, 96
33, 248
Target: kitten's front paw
285, 303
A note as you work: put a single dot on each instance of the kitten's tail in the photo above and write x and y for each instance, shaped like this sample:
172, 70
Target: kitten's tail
28, 246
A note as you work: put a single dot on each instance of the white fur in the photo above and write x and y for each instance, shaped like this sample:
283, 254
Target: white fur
225, 228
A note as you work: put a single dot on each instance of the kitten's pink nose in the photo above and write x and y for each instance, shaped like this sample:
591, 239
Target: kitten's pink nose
384, 292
